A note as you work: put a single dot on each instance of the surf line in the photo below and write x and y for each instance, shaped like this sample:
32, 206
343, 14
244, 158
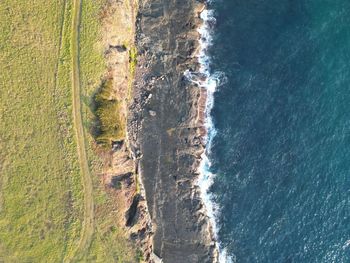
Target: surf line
203, 78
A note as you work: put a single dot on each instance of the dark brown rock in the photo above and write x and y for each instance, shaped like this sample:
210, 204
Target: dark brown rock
169, 142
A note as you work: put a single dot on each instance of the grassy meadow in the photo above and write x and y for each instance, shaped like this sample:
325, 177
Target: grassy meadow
41, 181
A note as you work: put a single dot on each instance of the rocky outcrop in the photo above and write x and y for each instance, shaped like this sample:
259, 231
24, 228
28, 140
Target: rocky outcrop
166, 128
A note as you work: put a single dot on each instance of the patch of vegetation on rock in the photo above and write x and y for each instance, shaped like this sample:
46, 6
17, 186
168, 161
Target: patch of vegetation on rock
109, 125
132, 59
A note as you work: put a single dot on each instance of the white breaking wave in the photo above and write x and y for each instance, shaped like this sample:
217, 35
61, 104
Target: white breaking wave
210, 82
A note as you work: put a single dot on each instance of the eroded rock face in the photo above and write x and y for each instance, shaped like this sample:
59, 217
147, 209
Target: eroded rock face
169, 142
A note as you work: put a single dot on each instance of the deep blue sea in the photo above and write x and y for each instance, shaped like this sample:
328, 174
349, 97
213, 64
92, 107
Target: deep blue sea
282, 150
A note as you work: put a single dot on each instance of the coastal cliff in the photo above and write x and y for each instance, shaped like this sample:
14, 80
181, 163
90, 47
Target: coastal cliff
165, 130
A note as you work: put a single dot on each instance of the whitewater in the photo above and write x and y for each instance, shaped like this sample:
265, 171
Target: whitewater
210, 81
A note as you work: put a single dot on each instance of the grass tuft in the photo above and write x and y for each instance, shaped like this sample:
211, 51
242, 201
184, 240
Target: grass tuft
109, 125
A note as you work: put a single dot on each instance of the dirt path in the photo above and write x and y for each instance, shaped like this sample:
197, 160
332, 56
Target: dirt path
88, 223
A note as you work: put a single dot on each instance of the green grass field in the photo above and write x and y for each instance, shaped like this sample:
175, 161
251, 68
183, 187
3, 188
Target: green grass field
44, 200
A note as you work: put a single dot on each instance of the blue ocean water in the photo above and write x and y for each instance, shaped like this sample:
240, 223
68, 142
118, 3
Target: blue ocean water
282, 149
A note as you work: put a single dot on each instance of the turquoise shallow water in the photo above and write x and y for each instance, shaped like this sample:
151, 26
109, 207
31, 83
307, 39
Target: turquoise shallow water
282, 149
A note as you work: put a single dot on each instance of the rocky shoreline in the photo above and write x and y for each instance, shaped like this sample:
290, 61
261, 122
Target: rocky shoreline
165, 133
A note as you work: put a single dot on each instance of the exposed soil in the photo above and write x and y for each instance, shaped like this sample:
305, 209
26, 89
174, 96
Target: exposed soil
120, 172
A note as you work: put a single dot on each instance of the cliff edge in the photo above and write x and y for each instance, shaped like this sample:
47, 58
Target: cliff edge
166, 129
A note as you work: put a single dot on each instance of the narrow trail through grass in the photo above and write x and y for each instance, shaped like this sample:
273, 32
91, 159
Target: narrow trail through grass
88, 223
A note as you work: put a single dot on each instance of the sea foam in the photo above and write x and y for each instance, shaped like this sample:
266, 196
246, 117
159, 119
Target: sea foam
210, 81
